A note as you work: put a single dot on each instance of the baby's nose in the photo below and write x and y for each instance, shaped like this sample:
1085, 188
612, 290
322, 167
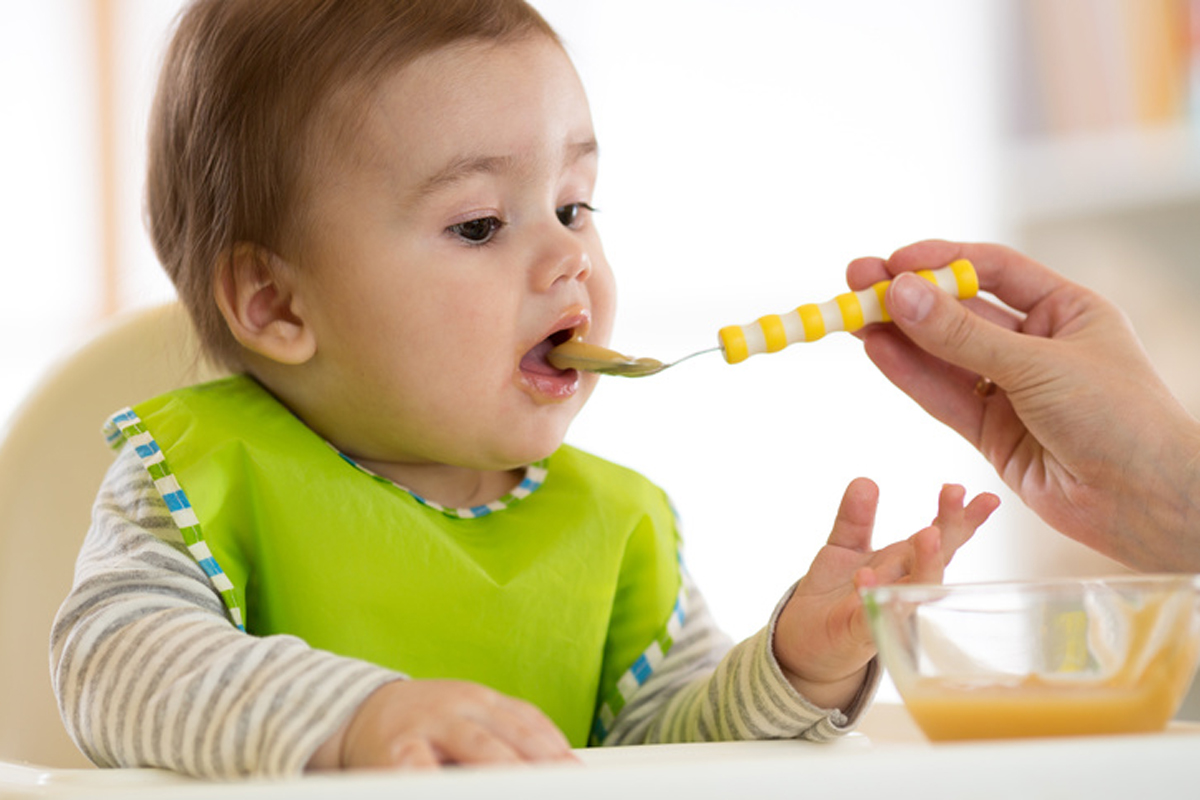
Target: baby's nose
565, 258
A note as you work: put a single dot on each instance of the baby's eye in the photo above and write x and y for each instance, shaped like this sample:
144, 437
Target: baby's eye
477, 231
569, 214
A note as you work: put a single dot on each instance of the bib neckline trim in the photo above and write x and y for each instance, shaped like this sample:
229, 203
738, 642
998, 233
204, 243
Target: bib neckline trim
534, 476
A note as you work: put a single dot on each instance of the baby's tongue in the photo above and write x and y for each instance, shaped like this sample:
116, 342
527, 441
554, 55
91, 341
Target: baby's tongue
535, 360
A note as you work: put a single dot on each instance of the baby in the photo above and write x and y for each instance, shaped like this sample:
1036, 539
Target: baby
370, 546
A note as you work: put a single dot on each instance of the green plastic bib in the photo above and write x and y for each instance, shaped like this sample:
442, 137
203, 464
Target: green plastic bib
565, 596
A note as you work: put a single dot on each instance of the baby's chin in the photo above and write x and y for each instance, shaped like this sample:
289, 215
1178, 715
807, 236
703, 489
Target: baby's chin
539, 448
550, 439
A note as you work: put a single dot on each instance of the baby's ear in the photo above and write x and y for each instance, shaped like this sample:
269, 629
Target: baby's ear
256, 292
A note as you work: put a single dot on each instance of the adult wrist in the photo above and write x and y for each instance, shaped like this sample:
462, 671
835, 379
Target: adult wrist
1163, 508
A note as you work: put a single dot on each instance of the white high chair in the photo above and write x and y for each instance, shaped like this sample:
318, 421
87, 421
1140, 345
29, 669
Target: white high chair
52, 460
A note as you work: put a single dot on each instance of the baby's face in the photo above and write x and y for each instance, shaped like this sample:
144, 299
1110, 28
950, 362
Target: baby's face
447, 252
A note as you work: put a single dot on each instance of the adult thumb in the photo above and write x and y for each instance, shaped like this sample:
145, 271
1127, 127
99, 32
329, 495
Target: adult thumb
942, 326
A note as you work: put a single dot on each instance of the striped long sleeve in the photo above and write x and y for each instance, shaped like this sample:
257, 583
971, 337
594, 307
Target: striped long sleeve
704, 691
149, 671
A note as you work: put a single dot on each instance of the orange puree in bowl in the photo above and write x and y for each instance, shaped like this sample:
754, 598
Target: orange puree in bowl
1138, 698
1035, 707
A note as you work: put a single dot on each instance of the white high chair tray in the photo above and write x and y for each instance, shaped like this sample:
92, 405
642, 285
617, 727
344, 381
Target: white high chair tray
889, 759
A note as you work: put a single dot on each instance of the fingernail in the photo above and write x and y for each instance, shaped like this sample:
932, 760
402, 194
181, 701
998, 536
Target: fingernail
910, 298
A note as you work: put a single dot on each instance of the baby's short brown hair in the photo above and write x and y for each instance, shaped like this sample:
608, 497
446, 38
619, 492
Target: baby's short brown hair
243, 87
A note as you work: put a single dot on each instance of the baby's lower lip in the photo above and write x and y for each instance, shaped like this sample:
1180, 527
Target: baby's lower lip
560, 386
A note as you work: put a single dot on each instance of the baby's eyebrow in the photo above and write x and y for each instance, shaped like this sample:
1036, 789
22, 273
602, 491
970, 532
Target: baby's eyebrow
575, 152
462, 168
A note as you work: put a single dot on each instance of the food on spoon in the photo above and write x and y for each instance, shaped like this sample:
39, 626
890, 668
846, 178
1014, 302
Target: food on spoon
578, 354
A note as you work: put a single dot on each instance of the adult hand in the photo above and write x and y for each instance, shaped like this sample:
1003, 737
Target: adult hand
1082, 428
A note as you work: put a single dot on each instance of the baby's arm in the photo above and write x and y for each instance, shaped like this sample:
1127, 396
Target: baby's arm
149, 671
704, 691
700, 692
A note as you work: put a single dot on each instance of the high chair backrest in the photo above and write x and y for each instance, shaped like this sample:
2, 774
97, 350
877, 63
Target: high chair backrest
52, 460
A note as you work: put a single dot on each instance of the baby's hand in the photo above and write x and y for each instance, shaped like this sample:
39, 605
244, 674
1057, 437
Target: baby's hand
427, 723
822, 639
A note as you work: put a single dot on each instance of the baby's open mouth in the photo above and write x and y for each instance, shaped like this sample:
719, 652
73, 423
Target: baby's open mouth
534, 362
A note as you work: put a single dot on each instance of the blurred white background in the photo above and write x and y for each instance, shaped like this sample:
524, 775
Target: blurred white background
750, 150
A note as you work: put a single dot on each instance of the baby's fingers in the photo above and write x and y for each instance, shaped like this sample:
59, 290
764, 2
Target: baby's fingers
424, 723
980, 508
917, 559
928, 565
530, 732
511, 732
958, 524
471, 742
856, 516
413, 754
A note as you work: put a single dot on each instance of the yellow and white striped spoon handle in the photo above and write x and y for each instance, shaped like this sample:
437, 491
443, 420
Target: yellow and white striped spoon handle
846, 312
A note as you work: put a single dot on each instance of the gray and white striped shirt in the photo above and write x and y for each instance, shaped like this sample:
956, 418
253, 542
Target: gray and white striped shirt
148, 670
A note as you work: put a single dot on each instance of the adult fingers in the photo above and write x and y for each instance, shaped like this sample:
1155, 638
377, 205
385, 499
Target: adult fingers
1019, 281
864, 272
1014, 278
942, 326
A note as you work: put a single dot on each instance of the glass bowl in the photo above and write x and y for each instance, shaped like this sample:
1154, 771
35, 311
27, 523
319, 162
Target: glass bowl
1039, 658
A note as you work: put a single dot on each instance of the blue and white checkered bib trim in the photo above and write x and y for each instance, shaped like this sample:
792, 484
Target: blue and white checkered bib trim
127, 426
531, 481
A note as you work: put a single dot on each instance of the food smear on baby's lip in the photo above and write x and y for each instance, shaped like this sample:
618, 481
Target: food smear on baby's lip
1141, 697
580, 355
